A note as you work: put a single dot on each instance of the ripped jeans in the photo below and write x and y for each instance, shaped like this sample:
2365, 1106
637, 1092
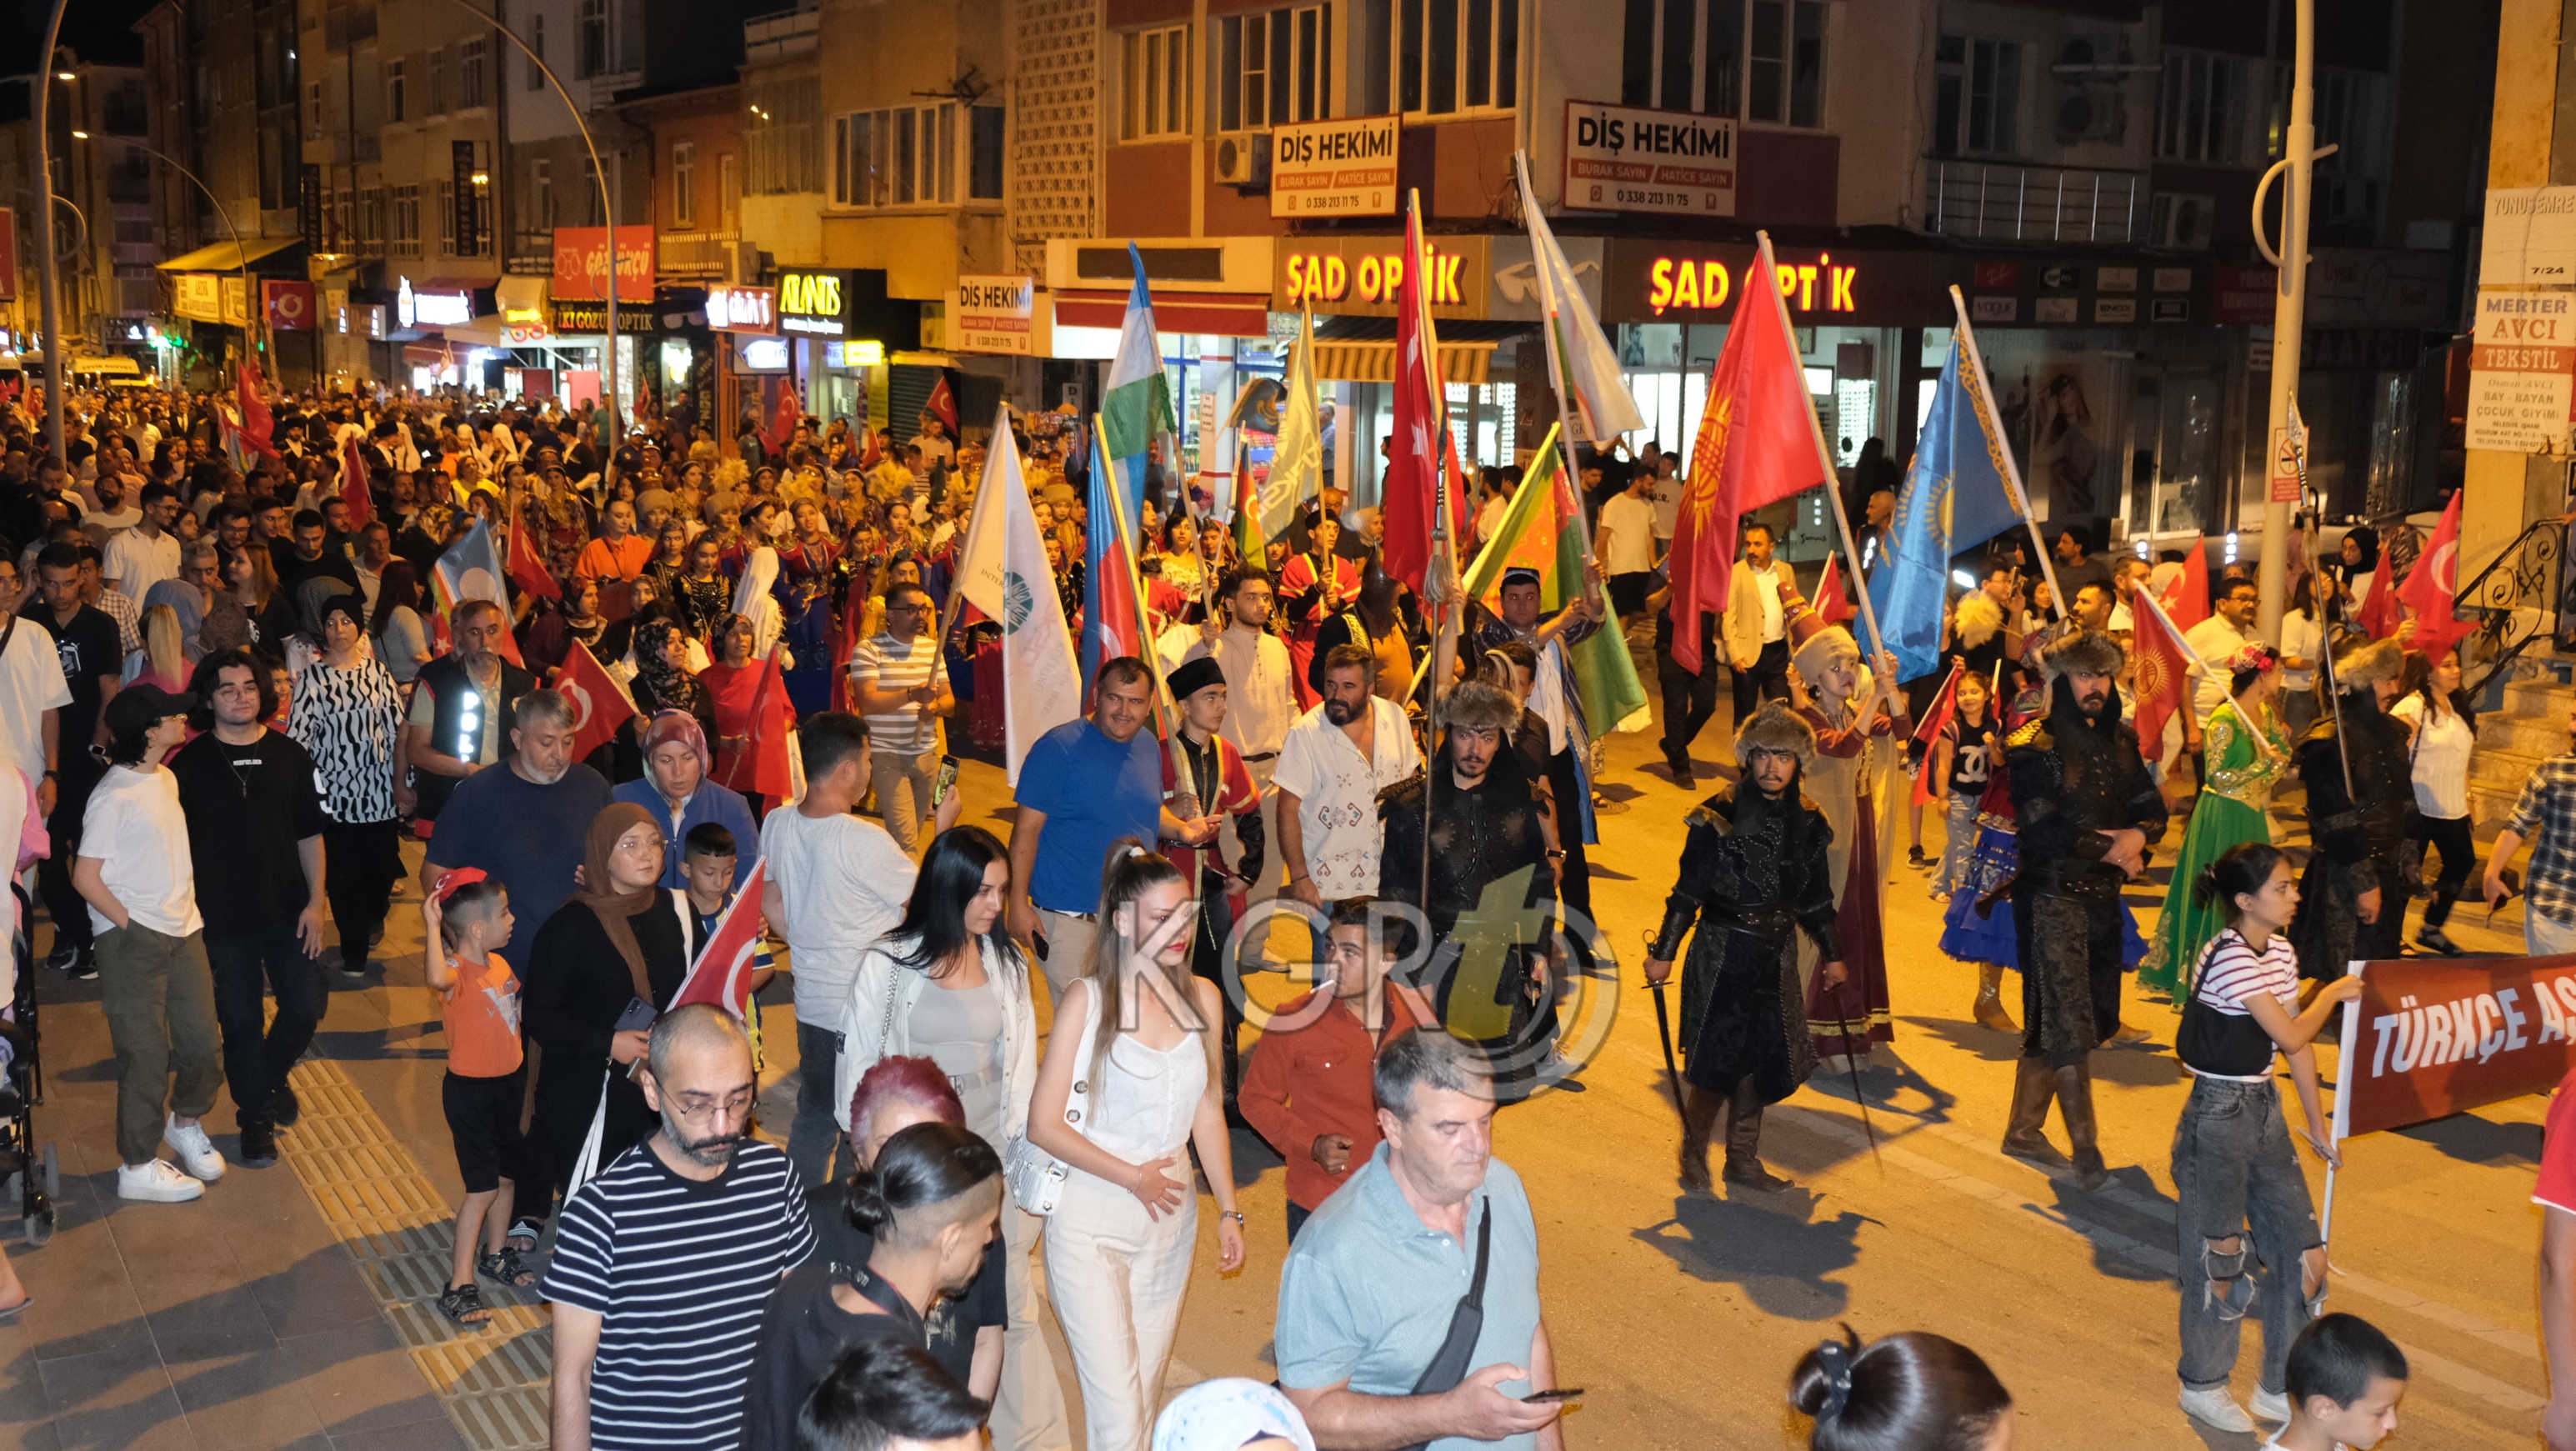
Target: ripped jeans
2235, 1169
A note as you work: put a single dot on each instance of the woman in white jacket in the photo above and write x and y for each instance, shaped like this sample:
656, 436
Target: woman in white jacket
948, 984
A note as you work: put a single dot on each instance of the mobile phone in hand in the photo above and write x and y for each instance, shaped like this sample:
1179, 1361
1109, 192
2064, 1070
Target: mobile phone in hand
947, 782
1565, 1393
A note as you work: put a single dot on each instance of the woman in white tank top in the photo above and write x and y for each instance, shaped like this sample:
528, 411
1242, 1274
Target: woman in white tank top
1118, 1244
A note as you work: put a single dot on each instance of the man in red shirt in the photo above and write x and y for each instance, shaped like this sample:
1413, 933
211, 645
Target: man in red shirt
2555, 1193
1307, 1088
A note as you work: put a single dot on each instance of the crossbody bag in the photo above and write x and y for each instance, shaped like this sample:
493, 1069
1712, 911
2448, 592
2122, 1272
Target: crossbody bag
1466, 1325
1036, 1177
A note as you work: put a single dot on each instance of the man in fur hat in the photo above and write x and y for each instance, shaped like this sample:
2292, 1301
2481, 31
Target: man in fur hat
2352, 898
2088, 809
1753, 875
1492, 880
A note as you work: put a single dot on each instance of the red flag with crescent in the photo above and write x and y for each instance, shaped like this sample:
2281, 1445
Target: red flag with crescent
599, 700
722, 973
2432, 587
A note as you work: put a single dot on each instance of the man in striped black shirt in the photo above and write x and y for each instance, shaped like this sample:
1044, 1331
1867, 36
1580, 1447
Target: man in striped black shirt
899, 681
663, 1263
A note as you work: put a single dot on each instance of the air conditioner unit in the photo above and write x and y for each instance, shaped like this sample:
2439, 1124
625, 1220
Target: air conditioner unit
1243, 158
2090, 71
2184, 220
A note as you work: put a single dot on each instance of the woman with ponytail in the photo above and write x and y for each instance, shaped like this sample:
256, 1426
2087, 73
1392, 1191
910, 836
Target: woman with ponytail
1909, 1392
2232, 1161
1130, 1077
925, 1205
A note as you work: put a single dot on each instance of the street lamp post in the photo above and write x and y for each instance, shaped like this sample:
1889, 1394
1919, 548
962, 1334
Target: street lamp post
2289, 307
51, 316
607, 208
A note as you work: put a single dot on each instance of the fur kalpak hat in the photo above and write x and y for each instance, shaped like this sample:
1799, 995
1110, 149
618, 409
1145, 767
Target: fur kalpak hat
2089, 652
1978, 618
1775, 727
2361, 664
1477, 706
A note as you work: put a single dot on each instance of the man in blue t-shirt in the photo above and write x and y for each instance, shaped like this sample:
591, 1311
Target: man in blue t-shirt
524, 819
1083, 786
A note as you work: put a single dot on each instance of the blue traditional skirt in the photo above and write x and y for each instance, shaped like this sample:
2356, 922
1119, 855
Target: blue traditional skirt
1967, 937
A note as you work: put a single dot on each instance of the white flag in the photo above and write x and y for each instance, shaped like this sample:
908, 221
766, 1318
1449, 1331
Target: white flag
1579, 360
1003, 571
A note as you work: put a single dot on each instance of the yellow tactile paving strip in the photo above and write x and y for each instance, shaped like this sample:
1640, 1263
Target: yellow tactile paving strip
369, 1189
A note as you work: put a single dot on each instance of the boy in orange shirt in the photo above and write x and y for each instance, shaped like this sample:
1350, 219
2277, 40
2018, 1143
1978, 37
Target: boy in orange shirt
464, 918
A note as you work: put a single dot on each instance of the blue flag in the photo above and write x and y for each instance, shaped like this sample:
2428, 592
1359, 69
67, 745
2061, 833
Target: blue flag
1955, 497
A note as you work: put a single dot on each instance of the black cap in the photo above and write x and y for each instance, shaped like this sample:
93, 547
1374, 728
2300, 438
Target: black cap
1194, 676
138, 706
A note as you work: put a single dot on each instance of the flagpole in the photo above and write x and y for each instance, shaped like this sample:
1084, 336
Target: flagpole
1770, 287
1556, 372
2003, 452
1126, 537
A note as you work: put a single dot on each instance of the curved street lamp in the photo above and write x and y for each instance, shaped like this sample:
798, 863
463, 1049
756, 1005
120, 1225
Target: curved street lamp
252, 319
607, 209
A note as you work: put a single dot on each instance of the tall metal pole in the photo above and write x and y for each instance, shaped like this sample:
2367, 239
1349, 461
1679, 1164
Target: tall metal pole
2289, 306
252, 315
56, 363
607, 207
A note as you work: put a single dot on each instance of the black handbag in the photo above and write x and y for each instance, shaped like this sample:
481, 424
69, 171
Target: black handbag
1466, 1325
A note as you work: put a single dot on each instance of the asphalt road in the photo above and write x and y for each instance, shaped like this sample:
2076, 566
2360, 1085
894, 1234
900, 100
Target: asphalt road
1681, 1315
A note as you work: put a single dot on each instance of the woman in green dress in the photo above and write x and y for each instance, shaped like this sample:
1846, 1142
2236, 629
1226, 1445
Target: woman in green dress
2246, 751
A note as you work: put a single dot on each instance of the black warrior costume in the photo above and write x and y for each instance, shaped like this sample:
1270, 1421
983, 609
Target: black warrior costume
2073, 777
1753, 875
2360, 834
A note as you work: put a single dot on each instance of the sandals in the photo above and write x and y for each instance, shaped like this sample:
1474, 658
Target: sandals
464, 1305
527, 1228
504, 1266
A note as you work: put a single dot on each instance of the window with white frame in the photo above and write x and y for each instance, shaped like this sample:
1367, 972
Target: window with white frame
2209, 109
537, 48
1753, 60
1448, 56
403, 236
438, 82
541, 193
473, 56
900, 157
1976, 96
781, 140
397, 96
1154, 83
684, 184
1274, 67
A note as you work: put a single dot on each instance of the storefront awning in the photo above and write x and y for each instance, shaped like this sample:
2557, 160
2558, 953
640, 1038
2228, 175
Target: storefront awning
224, 256
1362, 349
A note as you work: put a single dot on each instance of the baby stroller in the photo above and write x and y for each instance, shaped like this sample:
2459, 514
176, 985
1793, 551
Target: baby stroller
33, 1176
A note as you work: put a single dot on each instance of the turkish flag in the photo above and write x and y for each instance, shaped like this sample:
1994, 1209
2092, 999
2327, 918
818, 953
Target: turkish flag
600, 703
1832, 605
785, 413
722, 973
2161, 678
2380, 614
527, 567
353, 482
1756, 446
2186, 596
2432, 587
763, 769
942, 404
845, 638
1421, 413
1936, 720
255, 422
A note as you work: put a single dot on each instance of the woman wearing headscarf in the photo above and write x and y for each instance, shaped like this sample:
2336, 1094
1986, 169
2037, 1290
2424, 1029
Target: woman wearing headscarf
662, 681
347, 715
755, 599
680, 789
600, 970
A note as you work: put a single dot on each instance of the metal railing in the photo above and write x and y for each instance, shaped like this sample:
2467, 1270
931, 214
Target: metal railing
2520, 596
2003, 202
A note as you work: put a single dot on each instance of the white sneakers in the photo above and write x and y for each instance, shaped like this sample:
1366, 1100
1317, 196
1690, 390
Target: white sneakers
196, 1152
157, 1181
2272, 1406
2218, 1410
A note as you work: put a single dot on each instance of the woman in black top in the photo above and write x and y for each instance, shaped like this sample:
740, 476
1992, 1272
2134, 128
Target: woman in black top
620, 941
662, 682
909, 1261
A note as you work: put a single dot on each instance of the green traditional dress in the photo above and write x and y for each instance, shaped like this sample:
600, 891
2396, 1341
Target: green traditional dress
2230, 811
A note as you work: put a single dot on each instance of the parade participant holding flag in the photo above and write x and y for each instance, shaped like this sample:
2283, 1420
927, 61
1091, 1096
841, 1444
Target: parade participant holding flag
2361, 811
1754, 876
1002, 571
2246, 751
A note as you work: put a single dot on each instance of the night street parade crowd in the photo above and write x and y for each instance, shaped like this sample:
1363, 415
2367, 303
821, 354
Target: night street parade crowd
238, 675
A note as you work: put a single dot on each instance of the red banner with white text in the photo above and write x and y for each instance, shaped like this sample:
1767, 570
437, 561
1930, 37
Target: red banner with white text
2430, 1037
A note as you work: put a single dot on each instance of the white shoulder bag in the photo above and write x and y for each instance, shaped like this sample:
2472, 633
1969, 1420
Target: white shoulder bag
1036, 1177
586, 1165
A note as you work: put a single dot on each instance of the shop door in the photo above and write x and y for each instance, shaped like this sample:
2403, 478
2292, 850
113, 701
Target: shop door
2175, 484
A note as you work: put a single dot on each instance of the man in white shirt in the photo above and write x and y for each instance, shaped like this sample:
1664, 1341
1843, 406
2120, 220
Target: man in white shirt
836, 883
143, 556
1626, 545
1335, 761
1261, 703
136, 874
32, 692
2216, 640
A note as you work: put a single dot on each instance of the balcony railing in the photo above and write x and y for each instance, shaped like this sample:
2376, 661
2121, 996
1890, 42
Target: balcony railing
2000, 202
779, 37
694, 254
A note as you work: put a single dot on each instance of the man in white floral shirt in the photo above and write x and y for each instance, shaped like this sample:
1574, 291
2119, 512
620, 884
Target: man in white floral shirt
1337, 758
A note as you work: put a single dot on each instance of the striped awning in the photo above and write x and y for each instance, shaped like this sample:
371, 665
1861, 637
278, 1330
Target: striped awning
1374, 362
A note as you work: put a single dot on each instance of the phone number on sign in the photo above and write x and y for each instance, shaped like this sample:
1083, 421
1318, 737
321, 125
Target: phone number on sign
1341, 202
1639, 197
